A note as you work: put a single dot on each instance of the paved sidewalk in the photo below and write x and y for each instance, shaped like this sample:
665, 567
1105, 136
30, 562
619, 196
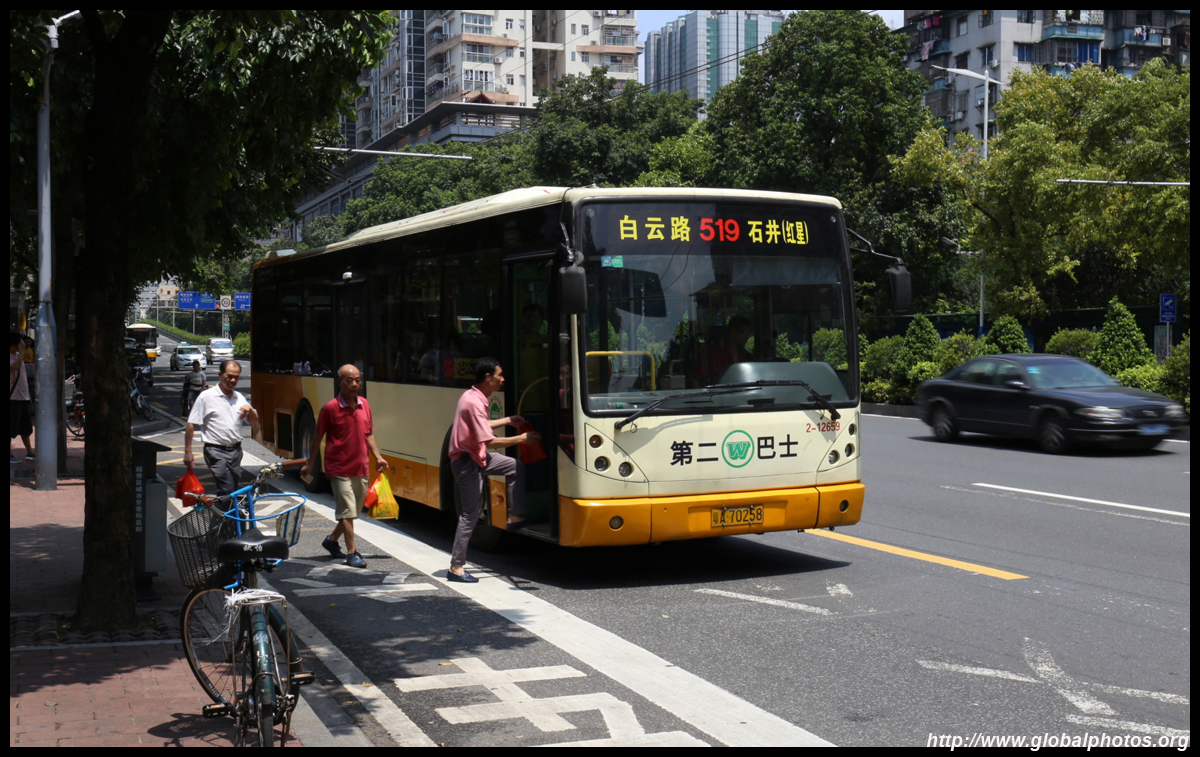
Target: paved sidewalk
84, 693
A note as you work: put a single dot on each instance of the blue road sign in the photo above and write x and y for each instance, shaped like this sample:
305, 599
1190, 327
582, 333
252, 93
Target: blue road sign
241, 300
1166, 308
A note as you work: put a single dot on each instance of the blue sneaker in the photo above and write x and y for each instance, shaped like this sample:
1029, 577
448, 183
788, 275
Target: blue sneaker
332, 547
354, 560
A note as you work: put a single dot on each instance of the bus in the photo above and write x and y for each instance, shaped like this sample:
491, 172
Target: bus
144, 336
689, 356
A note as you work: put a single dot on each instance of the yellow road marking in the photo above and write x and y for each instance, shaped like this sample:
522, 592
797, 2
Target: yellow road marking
972, 567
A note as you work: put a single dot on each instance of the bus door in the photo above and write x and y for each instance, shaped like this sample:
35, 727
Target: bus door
350, 328
531, 385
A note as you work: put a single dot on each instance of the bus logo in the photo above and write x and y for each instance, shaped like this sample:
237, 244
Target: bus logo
736, 448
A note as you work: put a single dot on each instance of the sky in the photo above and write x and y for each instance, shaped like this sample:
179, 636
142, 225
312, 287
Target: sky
649, 21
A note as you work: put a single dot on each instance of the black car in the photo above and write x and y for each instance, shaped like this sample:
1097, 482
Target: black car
1055, 399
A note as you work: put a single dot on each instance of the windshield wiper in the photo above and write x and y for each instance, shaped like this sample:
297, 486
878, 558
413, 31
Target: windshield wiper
812, 393
706, 392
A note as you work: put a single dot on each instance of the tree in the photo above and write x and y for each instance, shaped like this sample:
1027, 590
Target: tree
820, 110
1007, 335
1052, 245
588, 133
1121, 344
193, 133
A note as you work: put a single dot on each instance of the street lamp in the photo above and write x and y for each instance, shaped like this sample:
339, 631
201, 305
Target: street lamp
986, 91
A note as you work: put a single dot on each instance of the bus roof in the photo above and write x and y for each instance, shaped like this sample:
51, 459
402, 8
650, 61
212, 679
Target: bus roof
532, 197
141, 326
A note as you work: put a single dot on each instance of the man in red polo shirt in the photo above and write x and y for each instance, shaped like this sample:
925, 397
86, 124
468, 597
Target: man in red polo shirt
345, 422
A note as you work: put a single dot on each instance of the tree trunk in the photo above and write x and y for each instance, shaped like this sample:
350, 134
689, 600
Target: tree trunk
111, 135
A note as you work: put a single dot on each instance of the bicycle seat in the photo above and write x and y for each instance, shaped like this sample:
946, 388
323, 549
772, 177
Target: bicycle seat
251, 545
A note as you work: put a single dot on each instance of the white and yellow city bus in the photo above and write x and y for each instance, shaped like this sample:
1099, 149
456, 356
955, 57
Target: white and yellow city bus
687, 355
145, 336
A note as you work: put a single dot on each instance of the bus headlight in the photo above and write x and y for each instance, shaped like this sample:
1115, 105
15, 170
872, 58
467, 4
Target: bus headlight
833, 457
595, 441
849, 450
625, 469
602, 464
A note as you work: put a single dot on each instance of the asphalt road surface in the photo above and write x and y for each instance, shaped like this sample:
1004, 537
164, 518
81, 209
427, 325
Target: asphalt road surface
990, 591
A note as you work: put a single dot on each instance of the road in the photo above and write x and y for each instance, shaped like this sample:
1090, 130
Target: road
990, 591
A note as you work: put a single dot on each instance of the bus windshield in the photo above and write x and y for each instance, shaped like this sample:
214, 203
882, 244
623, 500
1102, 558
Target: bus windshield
686, 296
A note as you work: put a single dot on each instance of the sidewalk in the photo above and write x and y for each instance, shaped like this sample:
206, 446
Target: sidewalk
65, 689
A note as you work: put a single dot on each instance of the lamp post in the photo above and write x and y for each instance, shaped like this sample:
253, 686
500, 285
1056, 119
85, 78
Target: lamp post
986, 92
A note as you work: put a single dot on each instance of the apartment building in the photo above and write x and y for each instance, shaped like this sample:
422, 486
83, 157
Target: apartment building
997, 42
702, 51
573, 42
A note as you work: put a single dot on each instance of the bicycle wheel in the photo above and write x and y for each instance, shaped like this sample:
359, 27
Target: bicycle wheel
209, 643
143, 407
75, 423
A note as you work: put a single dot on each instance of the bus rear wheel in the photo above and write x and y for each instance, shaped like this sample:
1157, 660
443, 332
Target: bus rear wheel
306, 430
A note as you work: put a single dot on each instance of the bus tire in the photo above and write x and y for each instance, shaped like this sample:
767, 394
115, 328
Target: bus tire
305, 430
485, 537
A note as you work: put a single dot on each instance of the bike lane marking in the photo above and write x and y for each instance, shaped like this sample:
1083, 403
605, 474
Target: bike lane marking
699, 703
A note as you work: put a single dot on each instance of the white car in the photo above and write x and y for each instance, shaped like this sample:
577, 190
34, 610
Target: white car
184, 355
218, 350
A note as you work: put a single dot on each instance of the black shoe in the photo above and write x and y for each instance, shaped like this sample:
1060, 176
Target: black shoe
465, 578
332, 547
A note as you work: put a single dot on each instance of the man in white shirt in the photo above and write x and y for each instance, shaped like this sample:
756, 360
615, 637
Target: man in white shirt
20, 422
220, 413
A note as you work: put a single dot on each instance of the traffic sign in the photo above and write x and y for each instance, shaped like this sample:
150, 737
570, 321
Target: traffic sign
241, 300
1166, 308
226, 302
196, 301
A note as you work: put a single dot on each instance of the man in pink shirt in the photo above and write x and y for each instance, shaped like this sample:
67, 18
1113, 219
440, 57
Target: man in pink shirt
470, 439
349, 432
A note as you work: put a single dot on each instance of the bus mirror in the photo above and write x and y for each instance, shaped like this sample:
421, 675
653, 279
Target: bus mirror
900, 285
574, 290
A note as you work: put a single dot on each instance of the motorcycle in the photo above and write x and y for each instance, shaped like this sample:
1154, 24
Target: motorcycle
189, 398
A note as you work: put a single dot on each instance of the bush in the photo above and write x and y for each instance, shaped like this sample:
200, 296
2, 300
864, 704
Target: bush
1148, 377
923, 371
241, 345
881, 357
921, 342
879, 390
958, 349
1121, 344
1177, 373
829, 345
1008, 336
1073, 342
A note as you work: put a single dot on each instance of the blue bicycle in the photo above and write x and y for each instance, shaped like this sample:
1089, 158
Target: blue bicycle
236, 639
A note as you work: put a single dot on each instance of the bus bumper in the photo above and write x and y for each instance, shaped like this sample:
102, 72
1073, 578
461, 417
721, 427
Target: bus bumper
640, 520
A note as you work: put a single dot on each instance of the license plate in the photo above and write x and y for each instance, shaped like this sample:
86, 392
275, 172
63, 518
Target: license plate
1153, 428
745, 515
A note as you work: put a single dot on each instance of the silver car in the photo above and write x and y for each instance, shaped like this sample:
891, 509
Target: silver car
184, 354
218, 350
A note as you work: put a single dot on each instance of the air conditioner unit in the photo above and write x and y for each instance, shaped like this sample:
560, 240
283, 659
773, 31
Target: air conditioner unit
598, 14
994, 64
959, 115
498, 59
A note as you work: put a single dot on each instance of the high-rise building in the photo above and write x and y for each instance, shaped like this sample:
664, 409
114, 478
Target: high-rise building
573, 42
702, 51
997, 42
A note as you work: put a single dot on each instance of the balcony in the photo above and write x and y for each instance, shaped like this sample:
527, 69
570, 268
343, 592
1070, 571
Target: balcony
1148, 36
1074, 25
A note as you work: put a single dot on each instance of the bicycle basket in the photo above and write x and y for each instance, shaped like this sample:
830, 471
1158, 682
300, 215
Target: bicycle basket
288, 525
194, 539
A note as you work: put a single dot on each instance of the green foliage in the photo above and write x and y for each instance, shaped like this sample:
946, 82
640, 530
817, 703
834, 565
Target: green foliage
685, 161
1121, 344
1177, 373
1073, 342
323, 230
829, 345
921, 341
241, 345
1007, 335
1148, 377
1050, 245
584, 134
923, 371
881, 358
879, 390
958, 349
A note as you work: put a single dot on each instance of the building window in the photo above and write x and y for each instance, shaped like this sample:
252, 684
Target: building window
1024, 52
961, 28
522, 52
585, 57
572, 56
572, 28
522, 82
963, 61
1025, 17
508, 52
986, 18
477, 23
988, 53
508, 24
585, 30
508, 79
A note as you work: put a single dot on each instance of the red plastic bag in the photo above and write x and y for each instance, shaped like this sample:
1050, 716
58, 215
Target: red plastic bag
188, 482
530, 453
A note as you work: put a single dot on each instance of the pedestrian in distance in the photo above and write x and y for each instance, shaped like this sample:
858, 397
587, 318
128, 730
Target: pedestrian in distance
219, 413
471, 438
195, 383
20, 418
345, 423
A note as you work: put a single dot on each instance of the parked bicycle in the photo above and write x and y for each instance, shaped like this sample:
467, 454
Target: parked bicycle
235, 637
75, 413
137, 401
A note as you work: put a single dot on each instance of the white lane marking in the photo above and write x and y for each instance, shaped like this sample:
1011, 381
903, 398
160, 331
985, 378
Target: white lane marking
766, 601
545, 713
306, 582
1038, 658
1085, 499
703, 705
383, 593
836, 590
1125, 725
1142, 694
989, 672
382, 708
1069, 506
